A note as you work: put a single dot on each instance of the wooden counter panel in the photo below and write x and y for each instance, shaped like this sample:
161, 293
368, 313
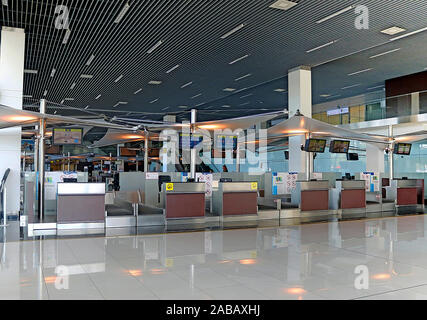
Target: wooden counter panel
185, 205
237, 203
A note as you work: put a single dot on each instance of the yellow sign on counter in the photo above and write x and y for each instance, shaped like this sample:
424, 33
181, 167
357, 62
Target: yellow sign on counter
254, 185
169, 186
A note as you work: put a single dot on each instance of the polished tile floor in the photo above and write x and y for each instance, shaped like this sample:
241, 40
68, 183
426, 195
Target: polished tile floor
383, 258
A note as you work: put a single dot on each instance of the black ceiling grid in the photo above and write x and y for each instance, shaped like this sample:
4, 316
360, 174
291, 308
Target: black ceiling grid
274, 40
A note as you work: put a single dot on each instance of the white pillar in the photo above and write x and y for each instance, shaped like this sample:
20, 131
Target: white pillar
12, 53
374, 158
299, 98
391, 155
193, 150
146, 153
415, 103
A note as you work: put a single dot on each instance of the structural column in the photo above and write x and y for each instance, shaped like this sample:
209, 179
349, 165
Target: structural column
146, 153
374, 158
12, 55
299, 98
193, 150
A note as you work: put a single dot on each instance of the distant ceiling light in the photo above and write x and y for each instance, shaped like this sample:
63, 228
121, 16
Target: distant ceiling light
336, 14
69, 99
376, 87
45, 93
62, 101
229, 89
89, 61
99, 96
384, 53
361, 71
352, 86
198, 105
53, 72
138, 91
243, 77
155, 100
27, 96
322, 46
122, 13
119, 78
30, 71
335, 96
67, 36
325, 95
280, 90
283, 5
238, 59
244, 104
226, 106
158, 44
183, 107
165, 108
86, 76
247, 95
409, 34
86, 107
197, 95
72, 86
393, 30
119, 103
187, 84
229, 33
55, 112
155, 82
172, 69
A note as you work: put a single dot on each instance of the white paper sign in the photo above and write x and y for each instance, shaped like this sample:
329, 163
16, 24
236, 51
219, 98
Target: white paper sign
208, 180
152, 175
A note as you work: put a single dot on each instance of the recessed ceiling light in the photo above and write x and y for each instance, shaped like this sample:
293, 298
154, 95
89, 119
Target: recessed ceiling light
69, 99
122, 13
393, 30
45, 93
280, 90
138, 91
384, 53
352, 86
283, 5
335, 96
158, 44
322, 46
89, 61
361, 71
244, 104
62, 101
55, 112
30, 71
325, 95
53, 72
187, 84
238, 59
119, 103
73, 86
229, 33
226, 106
86, 107
336, 14
86, 76
155, 100
243, 77
27, 96
377, 87
99, 96
118, 78
409, 34
229, 89
198, 105
197, 95
67, 36
165, 108
155, 82
183, 107
247, 95
172, 69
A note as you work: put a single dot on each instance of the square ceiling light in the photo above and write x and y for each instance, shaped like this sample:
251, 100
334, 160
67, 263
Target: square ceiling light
283, 5
393, 30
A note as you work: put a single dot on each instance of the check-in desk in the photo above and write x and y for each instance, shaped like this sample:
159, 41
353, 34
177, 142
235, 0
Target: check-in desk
311, 195
235, 198
348, 197
406, 194
80, 205
183, 200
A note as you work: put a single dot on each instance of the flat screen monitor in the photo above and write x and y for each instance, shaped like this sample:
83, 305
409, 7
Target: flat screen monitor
63, 136
352, 156
286, 155
315, 145
339, 146
403, 149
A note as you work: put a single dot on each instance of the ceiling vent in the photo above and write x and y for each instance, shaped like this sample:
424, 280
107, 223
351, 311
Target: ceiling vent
283, 5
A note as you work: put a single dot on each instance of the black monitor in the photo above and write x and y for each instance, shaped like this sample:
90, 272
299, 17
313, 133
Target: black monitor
352, 156
339, 146
163, 179
315, 145
70, 180
348, 176
225, 180
402, 149
64, 136
286, 155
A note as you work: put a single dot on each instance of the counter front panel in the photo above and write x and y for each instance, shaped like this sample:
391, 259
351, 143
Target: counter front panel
314, 200
406, 196
353, 198
185, 205
237, 203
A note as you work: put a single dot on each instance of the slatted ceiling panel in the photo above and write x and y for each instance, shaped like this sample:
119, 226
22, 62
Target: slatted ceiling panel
275, 41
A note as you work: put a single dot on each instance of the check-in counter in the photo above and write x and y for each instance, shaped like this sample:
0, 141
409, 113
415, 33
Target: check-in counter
80, 205
405, 192
183, 200
311, 195
235, 198
348, 196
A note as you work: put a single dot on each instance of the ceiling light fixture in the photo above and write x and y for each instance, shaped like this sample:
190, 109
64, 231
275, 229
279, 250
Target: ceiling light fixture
27, 96
138, 91
229, 89
361, 71
280, 90
377, 87
45, 93
69, 99
197, 95
99, 96
409, 34
72, 86
86, 76
155, 82
155, 100
89, 61
122, 13
393, 30
52, 73
352, 86
172, 69
283, 5
119, 78
243, 77
238, 59
67, 36
30, 71
229, 33
322, 46
165, 108
87, 107
245, 96
183, 107
187, 84
325, 95
158, 44
336, 14
384, 53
